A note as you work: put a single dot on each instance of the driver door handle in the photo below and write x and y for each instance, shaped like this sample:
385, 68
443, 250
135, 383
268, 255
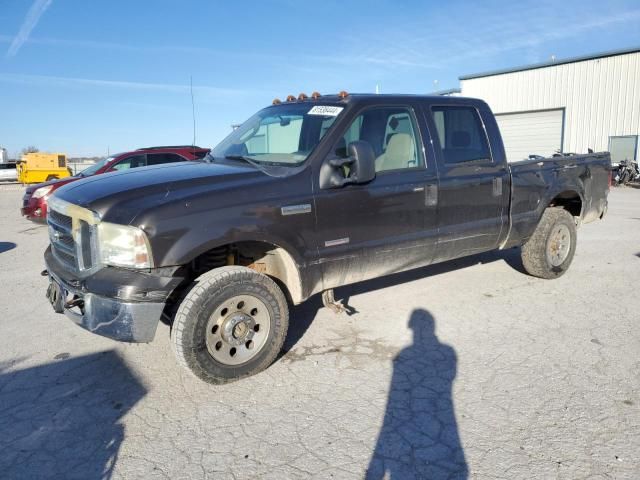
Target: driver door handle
497, 186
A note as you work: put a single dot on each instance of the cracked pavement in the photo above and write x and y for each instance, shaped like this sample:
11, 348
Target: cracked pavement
469, 369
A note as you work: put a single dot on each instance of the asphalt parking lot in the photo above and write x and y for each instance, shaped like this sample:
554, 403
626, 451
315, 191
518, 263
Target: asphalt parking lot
469, 369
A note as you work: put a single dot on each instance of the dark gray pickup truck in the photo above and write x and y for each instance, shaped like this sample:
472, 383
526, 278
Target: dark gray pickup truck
305, 196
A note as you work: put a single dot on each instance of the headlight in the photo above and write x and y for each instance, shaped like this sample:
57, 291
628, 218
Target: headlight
123, 246
42, 191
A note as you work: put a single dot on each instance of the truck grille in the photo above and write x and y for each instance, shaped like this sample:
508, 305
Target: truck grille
60, 235
60, 219
65, 249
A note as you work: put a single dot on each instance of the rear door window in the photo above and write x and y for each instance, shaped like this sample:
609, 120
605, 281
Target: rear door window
461, 135
160, 158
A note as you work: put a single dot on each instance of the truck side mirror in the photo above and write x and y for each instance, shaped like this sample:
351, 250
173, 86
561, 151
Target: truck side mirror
364, 161
360, 165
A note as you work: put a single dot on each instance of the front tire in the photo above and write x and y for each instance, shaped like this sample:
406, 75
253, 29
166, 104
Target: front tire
232, 324
550, 250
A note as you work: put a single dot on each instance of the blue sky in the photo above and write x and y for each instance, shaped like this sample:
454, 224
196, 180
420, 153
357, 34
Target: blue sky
83, 76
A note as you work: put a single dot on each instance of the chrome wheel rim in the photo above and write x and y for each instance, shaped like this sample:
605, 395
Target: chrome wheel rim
238, 330
559, 245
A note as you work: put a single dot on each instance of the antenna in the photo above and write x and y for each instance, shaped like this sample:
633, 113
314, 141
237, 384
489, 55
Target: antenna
193, 110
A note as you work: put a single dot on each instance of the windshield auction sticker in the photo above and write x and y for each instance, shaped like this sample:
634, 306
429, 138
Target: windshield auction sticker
325, 110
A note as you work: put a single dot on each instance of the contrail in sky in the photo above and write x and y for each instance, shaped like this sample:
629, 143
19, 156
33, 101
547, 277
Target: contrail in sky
30, 21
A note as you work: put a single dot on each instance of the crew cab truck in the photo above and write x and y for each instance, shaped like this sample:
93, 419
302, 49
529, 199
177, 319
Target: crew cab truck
307, 195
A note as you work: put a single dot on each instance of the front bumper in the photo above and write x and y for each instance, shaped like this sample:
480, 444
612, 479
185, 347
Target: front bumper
103, 305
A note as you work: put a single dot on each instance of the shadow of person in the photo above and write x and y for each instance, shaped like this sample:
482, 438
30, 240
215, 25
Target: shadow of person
62, 419
419, 437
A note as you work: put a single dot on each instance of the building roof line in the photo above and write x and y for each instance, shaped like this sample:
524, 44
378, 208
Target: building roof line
535, 66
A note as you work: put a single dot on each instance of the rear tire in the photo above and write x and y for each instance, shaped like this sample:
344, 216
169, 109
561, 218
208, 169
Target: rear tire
550, 250
232, 324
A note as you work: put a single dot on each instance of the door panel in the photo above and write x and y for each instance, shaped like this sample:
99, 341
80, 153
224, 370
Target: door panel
470, 213
375, 229
473, 187
384, 226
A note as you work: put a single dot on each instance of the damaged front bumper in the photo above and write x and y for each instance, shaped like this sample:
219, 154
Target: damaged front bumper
120, 304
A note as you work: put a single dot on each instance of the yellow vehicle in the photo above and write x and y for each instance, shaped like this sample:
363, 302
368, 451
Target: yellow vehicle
41, 167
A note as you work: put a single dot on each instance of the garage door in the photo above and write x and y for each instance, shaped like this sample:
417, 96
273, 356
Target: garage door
531, 133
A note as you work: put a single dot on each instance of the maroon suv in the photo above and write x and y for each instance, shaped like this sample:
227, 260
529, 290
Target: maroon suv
34, 201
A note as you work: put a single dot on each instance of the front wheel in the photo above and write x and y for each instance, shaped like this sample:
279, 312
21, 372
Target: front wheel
549, 251
231, 324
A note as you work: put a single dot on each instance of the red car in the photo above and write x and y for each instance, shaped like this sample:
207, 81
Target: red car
34, 201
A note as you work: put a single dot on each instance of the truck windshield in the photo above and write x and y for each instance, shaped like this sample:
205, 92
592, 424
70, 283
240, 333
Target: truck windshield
282, 135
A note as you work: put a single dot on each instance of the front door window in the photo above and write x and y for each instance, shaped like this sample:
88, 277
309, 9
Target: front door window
391, 132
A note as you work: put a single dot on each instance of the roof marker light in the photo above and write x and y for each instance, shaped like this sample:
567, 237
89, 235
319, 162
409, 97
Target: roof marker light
302, 96
343, 94
276, 101
315, 95
291, 98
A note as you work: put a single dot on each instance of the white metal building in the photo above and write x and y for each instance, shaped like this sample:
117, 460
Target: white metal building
567, 105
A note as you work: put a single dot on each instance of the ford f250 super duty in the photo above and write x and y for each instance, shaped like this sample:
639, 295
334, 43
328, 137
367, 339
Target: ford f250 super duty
307, 195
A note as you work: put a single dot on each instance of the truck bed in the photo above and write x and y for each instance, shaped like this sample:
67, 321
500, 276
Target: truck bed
534, 183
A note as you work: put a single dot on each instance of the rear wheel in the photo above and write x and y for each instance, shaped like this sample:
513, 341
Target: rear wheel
550, 250
232, 324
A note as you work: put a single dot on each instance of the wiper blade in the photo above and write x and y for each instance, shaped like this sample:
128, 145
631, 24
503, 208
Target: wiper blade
238, 157
258, 162
244, 159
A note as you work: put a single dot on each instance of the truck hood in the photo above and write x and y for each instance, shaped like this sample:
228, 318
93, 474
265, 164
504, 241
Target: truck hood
121, 196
